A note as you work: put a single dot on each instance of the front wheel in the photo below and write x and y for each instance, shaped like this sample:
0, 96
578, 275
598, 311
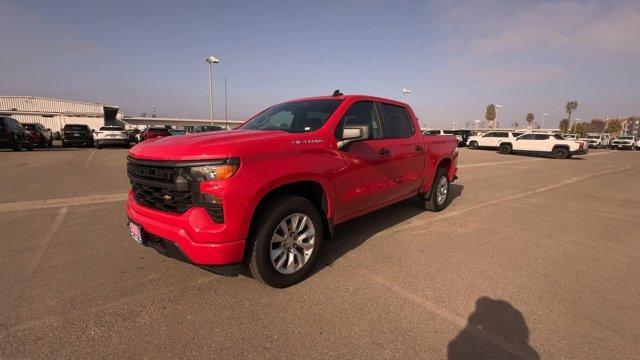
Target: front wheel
285, 241
439, 192
560, 153
504, 149
473, 145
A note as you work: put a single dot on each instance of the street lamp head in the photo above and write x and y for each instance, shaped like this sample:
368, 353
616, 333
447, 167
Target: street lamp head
498, 106
212, 60
545, 114
406, 91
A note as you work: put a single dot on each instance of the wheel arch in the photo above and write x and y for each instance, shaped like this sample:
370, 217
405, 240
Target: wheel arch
313, 190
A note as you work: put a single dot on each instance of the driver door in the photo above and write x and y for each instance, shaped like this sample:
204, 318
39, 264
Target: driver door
361, 182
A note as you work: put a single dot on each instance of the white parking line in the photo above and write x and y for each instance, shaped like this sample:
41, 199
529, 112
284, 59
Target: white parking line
44, 204
86, 164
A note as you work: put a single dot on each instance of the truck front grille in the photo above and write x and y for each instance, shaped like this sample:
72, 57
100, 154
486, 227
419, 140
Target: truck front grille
161, 198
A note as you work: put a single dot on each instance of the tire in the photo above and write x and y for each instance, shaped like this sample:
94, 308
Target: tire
504, 149
98, 146
282, 210
473, 145
437, 201
560, 153
17, 143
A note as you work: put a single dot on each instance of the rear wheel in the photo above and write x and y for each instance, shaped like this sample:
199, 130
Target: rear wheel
504, 149
285, 241
439, 192
560, 153
473, 145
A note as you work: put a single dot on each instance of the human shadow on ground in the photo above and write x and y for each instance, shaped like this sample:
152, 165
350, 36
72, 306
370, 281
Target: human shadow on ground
495, 330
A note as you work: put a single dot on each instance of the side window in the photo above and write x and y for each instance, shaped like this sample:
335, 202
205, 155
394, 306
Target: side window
361, 114
396, 122
541, 137
502, 135
488, 135
526, 137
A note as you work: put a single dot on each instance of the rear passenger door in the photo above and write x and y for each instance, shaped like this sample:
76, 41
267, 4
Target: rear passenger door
404, 147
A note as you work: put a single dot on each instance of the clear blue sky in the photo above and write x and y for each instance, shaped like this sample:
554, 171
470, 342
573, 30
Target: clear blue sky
457, 57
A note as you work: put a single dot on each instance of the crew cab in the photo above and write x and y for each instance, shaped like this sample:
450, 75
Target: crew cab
543, 144
624, 142
492, 139
111, 136
269, 193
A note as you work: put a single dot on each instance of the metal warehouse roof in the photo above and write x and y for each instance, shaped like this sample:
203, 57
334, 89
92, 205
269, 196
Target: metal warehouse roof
30, 104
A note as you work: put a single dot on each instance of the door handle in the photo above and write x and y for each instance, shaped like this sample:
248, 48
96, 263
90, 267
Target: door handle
384, 152
419, 148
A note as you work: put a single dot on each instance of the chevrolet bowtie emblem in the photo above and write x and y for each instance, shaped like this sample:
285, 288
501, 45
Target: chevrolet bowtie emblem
167, 197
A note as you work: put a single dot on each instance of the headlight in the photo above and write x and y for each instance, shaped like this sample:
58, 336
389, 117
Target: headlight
215, 171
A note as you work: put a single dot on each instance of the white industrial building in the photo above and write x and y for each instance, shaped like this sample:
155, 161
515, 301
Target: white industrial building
55, 113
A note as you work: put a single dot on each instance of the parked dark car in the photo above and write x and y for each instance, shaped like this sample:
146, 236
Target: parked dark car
77, 135
208, 128
13, 135
152, 133
135, 136
38, 133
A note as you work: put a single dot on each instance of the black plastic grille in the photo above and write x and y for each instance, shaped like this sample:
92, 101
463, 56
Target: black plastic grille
216, 212
162, 198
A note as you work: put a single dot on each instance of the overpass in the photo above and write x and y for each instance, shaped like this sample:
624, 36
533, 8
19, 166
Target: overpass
151, 121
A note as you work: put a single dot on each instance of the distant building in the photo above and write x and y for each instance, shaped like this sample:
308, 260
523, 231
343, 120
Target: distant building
632, 125
55, 113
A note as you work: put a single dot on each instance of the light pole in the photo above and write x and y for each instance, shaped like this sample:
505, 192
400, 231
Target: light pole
405, 92
495, 121
454, 125
543, 115
211, 60
575, 125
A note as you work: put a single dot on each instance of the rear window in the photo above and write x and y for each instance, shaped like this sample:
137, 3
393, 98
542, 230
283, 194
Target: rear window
112, 128
396, 121
76, 128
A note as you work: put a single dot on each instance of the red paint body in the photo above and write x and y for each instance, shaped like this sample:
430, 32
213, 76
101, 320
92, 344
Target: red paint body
354, 182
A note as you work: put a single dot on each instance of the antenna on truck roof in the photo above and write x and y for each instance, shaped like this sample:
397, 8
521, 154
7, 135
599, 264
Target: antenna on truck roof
337, 93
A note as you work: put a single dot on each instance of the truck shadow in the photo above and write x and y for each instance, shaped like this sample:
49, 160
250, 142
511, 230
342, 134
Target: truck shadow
495, 330
353, 233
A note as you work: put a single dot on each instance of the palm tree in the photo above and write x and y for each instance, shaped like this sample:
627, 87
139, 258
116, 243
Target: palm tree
530, 120
491, 114
570, 107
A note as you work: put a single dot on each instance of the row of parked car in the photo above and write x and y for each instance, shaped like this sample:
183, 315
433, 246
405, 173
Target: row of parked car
541, 143
17, 136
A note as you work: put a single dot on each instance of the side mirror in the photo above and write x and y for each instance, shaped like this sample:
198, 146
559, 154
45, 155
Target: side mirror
352, 134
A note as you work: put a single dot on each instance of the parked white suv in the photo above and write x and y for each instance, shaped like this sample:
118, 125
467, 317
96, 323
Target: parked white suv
111, 136
624, 142
544, 144
491, 140
596, 141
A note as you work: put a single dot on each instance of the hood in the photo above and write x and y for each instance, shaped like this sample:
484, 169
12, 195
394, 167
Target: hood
201, 146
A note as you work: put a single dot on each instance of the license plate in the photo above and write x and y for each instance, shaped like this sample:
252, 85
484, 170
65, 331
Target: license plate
76, 135
136, 233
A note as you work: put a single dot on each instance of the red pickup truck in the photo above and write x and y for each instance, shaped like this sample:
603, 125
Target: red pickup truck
269, 193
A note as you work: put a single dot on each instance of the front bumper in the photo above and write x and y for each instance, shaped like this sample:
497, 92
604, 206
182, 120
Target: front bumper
198, 238
580, 151
624, 146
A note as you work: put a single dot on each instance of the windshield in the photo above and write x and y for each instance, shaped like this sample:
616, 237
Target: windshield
295, 116
29, 126
557, 137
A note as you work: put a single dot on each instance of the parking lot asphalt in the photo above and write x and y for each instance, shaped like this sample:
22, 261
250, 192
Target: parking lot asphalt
534, 257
